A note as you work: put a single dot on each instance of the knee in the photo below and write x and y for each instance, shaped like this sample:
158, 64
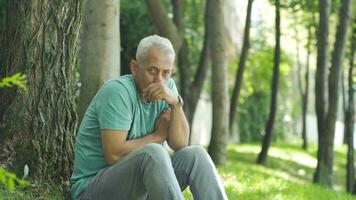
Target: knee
156, 152
196, 153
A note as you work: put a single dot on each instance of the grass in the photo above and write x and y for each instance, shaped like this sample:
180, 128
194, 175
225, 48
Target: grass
287, 175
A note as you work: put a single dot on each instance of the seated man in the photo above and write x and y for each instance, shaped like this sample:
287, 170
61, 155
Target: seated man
119, 152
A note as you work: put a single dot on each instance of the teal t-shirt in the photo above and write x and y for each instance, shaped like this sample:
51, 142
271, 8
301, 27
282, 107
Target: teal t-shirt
116, 106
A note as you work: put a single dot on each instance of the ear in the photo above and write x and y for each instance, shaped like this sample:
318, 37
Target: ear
133, 67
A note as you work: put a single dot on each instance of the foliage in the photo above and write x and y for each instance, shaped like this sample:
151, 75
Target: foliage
8, 179
17, 79
287, 175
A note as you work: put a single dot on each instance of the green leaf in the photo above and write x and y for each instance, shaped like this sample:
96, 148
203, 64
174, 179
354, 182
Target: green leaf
11, 184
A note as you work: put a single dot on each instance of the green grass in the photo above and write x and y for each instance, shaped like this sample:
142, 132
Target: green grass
287, 175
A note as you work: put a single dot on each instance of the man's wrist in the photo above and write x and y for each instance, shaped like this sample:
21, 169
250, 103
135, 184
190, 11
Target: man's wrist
179, 103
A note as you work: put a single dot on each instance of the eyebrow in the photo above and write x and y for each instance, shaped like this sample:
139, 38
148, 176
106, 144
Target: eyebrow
164, 69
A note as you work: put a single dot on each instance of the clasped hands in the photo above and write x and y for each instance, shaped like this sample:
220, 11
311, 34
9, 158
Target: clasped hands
153, 93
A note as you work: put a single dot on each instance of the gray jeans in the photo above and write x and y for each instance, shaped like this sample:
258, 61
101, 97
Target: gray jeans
151, 173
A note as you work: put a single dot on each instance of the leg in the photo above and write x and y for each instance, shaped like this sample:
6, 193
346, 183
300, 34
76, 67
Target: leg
194, 167
147, 171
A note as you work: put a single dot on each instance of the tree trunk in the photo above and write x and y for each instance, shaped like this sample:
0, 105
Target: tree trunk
219, 135
326, 168
42, 40
262, 157
239, 75
305, 94
350, 118
343, 97
100, 50
320, 81
303, 91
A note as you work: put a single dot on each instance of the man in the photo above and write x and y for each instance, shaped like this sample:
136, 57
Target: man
119, 152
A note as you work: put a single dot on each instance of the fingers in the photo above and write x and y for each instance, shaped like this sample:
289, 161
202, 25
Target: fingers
153, 93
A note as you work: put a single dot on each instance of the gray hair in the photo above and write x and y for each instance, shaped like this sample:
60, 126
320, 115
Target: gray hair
161, 43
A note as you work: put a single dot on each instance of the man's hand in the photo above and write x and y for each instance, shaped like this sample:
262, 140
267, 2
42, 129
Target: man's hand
162, 126
157, 91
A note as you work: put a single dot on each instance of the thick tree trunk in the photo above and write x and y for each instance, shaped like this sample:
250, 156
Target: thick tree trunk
219, 135
239, 75
100, 50
42, 40
326, 168
350, 118
262, 157
320, 81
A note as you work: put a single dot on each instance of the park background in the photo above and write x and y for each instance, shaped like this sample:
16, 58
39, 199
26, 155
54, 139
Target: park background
268, 87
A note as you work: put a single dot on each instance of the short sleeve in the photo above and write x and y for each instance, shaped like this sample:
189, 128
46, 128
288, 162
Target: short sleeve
113, 107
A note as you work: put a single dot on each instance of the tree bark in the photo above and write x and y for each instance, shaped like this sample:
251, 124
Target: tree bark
100, 50
350, 118
239, 75
326, 168
219, 135
42, 41
262, 157
320, 81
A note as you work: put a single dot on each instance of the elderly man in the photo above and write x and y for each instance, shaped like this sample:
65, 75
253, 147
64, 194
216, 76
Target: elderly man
119, 152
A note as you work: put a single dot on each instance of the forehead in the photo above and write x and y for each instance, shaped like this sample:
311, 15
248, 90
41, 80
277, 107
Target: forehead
159, 59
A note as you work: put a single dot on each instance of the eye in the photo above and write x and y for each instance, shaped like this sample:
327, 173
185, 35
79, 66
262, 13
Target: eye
152, 71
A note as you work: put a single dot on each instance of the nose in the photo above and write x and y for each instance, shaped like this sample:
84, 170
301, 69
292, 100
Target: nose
158, 77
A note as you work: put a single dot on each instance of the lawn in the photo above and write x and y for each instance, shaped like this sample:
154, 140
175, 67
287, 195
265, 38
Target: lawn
287, 175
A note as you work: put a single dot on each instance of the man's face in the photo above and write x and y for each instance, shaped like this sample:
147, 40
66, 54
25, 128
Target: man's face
157, 68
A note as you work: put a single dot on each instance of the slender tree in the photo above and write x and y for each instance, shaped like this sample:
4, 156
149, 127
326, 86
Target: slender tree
305, 94
324, 171
304, 91
219, 135
100, 48
41, 39
239, 75
190, 85
350, 117
320, 78
262, 157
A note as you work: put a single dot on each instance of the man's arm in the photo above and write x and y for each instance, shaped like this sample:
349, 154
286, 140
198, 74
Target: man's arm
115, 145
179, 129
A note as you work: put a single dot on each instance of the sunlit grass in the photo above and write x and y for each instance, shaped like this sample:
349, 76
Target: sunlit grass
287, 174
